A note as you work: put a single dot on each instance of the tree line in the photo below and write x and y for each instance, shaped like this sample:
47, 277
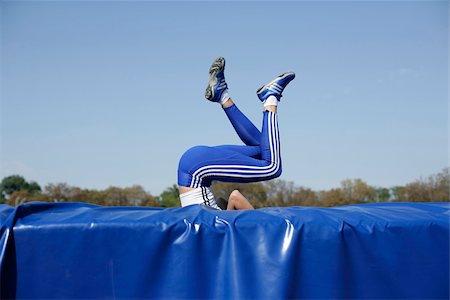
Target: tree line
15, 190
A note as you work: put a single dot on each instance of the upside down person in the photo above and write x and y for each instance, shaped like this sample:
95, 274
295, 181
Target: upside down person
258, 160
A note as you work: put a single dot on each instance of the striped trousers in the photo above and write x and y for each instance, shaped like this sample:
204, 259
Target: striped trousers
258, 160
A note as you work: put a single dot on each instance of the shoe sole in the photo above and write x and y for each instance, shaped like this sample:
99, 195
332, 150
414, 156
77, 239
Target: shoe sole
282, 76
217, 66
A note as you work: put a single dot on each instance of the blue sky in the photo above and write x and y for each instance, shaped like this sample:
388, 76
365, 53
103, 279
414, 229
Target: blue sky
107, 93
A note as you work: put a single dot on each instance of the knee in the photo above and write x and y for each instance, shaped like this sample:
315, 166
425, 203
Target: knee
238, 201
235, 195
278, 172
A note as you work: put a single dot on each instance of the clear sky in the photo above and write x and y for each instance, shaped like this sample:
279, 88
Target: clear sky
107, 93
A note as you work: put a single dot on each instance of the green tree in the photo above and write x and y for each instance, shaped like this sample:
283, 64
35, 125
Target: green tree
16, 183
382, 194
170, 197
397, 193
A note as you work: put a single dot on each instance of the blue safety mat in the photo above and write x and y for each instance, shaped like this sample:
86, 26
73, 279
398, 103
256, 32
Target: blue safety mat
5, 212
79, 251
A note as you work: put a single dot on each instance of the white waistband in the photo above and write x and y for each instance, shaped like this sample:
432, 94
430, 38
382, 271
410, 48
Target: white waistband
201, 195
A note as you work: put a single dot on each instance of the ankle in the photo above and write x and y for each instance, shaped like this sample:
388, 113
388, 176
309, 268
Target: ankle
272, 108
224, 97
228, 103
270, 101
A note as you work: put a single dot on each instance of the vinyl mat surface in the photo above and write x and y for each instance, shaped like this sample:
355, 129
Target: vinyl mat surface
75, 250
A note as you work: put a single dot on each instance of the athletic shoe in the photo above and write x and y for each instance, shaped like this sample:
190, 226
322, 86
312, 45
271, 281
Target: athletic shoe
216, 84
275, 87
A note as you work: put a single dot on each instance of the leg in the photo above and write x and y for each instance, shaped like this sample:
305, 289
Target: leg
245, 129
196, 153
238, 202
217, 91
200, 165
201, 155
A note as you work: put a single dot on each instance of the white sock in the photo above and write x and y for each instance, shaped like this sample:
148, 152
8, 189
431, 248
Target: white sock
271, 100
224, 97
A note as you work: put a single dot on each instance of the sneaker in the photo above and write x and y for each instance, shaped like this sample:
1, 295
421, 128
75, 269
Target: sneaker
216, 84
275, 87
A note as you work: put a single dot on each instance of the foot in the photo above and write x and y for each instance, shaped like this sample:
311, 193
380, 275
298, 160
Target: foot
216, 85
275, 87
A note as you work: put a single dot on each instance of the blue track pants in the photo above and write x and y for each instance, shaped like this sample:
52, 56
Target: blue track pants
258, 160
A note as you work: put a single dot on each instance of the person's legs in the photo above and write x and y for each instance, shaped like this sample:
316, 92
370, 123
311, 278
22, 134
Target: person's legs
200, 165
199, 156
259, 160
